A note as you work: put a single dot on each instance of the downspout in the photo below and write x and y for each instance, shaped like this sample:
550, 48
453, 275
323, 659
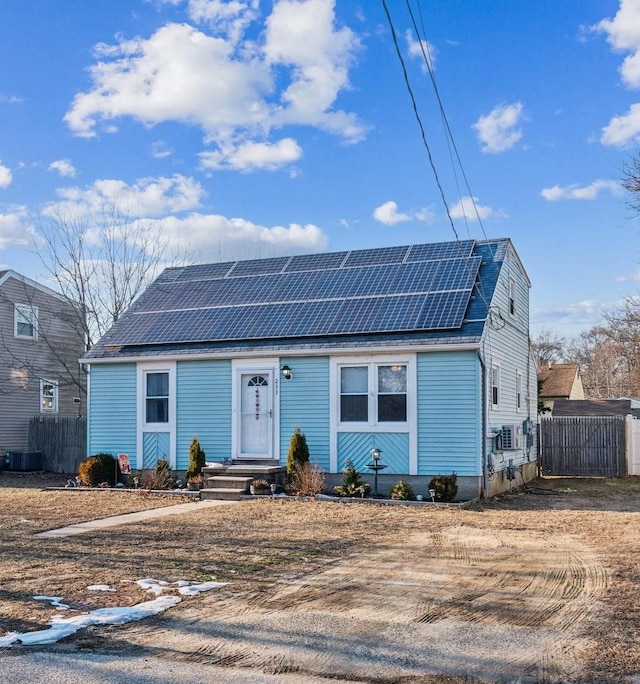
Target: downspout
483, 439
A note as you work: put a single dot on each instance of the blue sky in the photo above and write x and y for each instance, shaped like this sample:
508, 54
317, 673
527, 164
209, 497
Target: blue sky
245, 128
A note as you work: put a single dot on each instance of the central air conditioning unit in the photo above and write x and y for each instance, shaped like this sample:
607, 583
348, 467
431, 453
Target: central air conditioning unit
510, 437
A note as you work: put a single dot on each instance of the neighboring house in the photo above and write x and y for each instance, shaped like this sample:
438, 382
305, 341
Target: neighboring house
596, 407
560, 381
40, 349
420, 351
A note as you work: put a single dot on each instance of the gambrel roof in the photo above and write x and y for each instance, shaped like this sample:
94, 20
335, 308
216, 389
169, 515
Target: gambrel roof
423, 293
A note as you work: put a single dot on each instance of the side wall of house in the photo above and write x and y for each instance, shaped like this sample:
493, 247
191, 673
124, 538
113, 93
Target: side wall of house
203, 409
449, 413
304, 403
52, 355
112, 410
506, 347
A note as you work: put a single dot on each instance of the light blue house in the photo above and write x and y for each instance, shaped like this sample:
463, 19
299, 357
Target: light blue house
419, 351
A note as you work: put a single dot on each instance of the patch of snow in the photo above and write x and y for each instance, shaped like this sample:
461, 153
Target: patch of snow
195, 589
101, 587
60, 627
55, 601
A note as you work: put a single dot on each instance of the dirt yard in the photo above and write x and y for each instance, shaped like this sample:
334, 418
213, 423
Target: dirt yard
535, 586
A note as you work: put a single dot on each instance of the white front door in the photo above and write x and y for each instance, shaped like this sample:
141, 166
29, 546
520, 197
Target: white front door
256, 414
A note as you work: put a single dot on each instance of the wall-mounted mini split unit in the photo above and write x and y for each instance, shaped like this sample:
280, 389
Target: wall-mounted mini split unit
510, 437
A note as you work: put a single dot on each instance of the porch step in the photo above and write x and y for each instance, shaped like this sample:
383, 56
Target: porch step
229, 494
228, 482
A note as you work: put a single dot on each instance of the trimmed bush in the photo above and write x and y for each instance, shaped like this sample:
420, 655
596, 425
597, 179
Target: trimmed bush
352, 485
99, 468
307, 480
445, 486
298, 451
158, 478
197, 459
402, 491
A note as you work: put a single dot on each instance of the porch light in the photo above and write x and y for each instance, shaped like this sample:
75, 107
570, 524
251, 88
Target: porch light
287, 374
375, 465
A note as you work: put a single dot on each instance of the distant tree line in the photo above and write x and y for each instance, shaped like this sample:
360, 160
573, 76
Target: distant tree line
608, 354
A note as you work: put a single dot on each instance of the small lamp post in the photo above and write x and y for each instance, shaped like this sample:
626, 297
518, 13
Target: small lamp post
375, 465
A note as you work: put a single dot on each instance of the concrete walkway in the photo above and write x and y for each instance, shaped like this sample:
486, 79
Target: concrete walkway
127, 518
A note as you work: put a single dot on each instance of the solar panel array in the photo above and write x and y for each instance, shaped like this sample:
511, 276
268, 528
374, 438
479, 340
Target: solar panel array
395, 289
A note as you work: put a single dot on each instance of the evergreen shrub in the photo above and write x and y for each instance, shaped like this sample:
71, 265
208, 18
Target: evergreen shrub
445, 486
197, 459
97, 469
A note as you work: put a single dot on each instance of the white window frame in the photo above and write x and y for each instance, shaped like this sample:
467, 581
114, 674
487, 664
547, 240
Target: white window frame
373, 394
143, 369
372, 426
54, 396
495, 389
512, 297
27, 311
518, 392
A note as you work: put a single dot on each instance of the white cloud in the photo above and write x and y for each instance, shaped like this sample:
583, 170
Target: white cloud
418, 49
574, 192
586, 313
147, 197
5, 176
250, 156
469, 209
500, 129
64, 167
16, 229
388, 214
235, 88
160, 150
218, 238
154, 202
624, 129
623, 34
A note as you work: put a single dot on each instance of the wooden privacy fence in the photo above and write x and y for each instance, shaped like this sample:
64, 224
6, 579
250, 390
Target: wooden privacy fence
583, 446
62, 442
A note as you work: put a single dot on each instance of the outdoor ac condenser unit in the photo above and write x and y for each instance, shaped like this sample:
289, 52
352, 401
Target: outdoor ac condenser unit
510, 437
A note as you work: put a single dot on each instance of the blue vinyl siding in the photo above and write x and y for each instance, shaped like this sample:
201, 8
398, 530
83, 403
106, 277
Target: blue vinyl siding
155, 446
112, 409
304, 403
507, 346
203, 409
449, 413
356, 447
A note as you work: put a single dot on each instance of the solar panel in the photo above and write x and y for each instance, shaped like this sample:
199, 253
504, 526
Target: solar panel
257, 266
441, 250
316, 262
456, 274
443, 310
374, 257
423, 287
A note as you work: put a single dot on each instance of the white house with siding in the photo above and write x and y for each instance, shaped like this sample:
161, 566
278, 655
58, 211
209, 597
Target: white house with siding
420, 351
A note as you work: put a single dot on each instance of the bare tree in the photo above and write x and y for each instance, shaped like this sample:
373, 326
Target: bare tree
631, 183
548, 347
102, 262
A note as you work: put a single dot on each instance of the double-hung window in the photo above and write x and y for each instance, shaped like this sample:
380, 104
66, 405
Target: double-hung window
495, 387
26, 322
48, 396
157, 397
373, 393
512, 297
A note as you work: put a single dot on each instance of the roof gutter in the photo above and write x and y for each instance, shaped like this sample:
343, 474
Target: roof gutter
270, 353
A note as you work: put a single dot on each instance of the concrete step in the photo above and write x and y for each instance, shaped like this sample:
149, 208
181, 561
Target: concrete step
228, 482
222, 493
